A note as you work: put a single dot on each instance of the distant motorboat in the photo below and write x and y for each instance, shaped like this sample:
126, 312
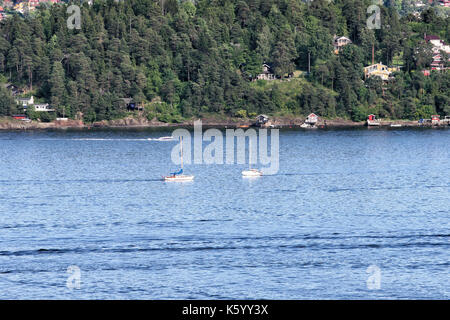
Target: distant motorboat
251, 172
396, 125
168, 138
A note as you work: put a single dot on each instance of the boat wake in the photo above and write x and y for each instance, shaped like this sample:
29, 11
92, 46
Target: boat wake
112, 139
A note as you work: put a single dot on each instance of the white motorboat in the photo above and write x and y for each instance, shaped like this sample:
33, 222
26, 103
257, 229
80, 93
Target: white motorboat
251, 172
162, 139
179, 176
166, 139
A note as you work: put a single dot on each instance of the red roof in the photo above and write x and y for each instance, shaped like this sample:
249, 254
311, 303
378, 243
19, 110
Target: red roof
431, 37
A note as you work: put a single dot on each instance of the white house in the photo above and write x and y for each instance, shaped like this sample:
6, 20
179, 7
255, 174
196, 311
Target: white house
312, 118
340, 42
43, 107
25, 101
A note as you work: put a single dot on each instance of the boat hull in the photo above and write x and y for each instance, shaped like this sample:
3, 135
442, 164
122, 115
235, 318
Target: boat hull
179, 178
251, 173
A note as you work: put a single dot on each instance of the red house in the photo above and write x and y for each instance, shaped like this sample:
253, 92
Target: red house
435, 119
312, 118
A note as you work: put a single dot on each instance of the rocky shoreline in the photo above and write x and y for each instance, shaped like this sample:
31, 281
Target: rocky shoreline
276, 122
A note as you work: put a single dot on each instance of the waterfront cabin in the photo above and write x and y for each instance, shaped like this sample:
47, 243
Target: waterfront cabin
262, 119
372, 120
446, 120
312, 119
435, 119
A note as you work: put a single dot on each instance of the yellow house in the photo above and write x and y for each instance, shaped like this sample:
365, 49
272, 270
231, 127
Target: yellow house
379, 70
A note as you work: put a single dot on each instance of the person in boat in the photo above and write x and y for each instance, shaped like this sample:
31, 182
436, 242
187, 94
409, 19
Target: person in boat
174, 174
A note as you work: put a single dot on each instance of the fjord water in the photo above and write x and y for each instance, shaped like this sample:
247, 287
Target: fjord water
342, 201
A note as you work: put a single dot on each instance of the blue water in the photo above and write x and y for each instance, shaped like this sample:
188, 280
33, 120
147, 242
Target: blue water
342, 201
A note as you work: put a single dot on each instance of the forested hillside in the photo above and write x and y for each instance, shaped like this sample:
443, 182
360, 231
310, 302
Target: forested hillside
181, 59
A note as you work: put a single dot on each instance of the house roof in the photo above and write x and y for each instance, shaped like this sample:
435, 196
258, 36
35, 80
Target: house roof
431, 37
342, 37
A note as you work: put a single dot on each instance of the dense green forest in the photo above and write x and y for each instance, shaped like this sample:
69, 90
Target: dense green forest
182, 59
